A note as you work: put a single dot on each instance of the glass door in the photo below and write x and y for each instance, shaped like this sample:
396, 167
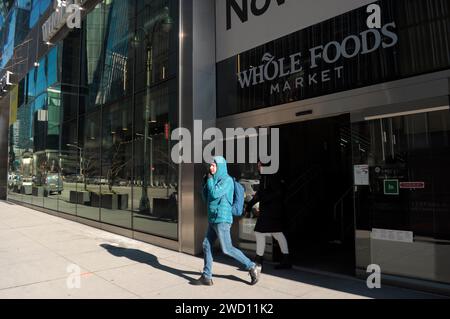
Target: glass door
403, 211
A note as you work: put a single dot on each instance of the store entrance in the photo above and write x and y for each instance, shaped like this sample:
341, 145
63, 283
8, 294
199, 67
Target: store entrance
316, 164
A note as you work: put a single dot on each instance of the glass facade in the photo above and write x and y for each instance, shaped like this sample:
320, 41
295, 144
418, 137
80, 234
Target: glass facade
411, 154
94, 117
13, 29
38, 8
334, 221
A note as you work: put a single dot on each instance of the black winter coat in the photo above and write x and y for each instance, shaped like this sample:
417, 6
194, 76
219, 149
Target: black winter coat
270, 198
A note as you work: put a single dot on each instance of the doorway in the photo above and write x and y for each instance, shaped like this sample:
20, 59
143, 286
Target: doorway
316, 165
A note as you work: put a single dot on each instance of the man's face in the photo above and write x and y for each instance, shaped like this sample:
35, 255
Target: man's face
213, 168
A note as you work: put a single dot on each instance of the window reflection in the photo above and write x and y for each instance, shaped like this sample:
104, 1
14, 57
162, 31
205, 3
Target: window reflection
90, 107
117, 165
248, 176
401, 149
38, 8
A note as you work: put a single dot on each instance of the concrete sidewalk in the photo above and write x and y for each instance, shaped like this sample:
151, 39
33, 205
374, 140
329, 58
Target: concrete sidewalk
36, 250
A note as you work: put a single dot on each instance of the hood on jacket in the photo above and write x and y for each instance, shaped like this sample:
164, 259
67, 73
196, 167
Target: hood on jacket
222, 169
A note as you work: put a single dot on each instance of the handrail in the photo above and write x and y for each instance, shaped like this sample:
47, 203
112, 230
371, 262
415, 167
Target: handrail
309, 171
352, 132
307, 179
300, 183
341, 199
340, 203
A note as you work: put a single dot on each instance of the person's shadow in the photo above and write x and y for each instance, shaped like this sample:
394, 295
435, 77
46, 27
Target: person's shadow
151, 260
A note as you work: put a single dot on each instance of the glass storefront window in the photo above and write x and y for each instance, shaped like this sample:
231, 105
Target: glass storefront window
117, 165
156, 177
248, 176
71, 168
89, 107
408, 168
89, 145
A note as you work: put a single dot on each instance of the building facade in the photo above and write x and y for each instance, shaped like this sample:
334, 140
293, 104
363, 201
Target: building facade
87, 115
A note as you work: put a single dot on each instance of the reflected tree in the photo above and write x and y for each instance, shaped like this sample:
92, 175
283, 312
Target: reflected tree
117, 164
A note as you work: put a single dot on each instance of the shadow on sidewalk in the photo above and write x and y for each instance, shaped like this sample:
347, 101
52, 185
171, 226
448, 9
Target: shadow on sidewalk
344, 284
351, 285
151, 260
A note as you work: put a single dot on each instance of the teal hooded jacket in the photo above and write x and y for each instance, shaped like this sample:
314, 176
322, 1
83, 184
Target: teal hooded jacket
218, 193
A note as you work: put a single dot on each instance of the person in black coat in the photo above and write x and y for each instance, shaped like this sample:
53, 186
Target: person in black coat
270, 198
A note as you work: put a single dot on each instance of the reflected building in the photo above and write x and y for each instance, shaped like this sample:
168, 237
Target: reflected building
80, 114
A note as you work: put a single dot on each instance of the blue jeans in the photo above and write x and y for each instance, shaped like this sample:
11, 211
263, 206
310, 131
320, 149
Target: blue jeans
221, 232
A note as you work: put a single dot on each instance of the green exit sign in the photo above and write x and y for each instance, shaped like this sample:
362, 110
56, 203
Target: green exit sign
391, 187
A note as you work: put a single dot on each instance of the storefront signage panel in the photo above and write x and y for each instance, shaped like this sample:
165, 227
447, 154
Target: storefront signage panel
337, 55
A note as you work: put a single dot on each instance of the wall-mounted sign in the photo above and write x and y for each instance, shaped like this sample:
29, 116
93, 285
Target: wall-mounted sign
242, 10
412, 185
361, 175
392, 235
391, 187
300, 69
336, 55
245, 24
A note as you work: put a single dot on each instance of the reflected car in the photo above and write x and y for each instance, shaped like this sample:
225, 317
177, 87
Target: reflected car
121, 182
53, 184
248, 222
97, 180
25, 181
250, 186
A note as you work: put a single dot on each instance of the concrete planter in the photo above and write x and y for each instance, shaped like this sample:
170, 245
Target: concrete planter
123, 201
165, 208
38, 191
95, 199
26, 190
82, 198
109, 201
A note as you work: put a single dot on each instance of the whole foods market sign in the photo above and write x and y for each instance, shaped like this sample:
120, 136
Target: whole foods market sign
301, 69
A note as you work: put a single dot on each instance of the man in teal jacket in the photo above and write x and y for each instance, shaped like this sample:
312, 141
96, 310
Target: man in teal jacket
218, 192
